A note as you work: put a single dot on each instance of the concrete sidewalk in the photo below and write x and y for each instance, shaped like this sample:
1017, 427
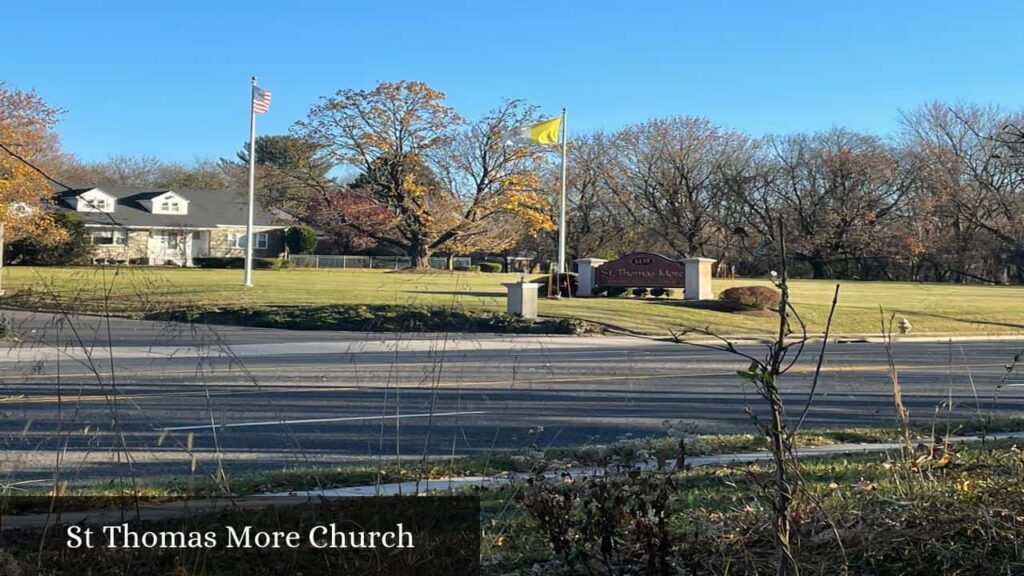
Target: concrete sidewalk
453, 483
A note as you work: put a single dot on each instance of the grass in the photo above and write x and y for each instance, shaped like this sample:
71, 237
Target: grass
961, 514
937, 513
936, 309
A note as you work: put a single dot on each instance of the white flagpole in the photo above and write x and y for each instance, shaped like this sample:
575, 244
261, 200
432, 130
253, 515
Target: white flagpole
252, 184
561, 203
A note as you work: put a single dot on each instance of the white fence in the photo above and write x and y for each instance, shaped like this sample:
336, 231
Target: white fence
374, 262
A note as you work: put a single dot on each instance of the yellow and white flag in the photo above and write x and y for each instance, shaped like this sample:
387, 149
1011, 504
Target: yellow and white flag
545, 132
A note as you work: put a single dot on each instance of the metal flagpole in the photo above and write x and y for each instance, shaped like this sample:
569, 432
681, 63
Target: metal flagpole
561, 203
252, 183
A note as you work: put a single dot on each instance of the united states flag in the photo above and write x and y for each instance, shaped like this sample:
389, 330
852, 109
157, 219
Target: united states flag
260, 100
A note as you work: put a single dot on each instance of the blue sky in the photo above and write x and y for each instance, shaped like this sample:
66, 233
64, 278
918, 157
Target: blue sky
170, 78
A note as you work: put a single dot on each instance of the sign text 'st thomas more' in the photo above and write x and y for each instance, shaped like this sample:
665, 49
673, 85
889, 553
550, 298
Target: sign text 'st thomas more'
642, 270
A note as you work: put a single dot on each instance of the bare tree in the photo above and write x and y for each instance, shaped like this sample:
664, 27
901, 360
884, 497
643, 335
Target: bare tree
975, 175
668, 175
599, 225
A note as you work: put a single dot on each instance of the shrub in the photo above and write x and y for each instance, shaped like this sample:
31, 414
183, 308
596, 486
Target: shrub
751, 297
218, 262
74, 248
490, 267
300, 239
578, 519
239, 262
271, 263
666, 292
372, 317
473, 268
5, 327
615, 291
639, 292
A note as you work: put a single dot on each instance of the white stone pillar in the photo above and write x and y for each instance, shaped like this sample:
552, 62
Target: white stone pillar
698, 279
586, 275
522, 299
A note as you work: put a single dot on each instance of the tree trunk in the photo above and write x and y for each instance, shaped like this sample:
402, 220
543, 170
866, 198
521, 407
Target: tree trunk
819, 268
420, 256
449, 262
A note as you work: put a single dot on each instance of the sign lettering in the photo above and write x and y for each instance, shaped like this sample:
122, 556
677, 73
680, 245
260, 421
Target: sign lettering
642, 270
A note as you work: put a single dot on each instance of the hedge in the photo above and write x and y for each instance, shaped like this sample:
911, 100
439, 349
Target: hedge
239, 262
491, 267
667, 292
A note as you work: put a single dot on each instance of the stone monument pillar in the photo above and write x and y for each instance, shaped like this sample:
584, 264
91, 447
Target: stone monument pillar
698, 279
522, 299
586, 275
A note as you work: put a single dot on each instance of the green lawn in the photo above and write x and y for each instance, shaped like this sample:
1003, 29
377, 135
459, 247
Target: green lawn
932, 308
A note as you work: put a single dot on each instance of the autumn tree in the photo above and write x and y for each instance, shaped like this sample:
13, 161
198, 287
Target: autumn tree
72, 246
500, 196
427, 179
26, 136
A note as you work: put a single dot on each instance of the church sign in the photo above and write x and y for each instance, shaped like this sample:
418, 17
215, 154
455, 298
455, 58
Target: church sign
642, 270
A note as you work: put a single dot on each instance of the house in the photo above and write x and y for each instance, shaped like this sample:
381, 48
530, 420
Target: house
170, 227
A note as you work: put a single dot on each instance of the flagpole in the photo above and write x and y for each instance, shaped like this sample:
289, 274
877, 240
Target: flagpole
252, 183
561, 203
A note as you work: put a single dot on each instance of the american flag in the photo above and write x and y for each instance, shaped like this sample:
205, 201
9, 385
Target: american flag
260, 100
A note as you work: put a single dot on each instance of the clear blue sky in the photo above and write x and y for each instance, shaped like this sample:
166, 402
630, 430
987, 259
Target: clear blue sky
171, 78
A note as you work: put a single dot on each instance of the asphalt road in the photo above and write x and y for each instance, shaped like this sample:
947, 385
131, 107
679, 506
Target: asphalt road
98, 398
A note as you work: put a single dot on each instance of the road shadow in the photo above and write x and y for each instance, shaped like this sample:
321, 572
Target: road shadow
710, 306
965, 320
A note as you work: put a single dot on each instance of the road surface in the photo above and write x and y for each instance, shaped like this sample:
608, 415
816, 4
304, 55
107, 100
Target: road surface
102, 398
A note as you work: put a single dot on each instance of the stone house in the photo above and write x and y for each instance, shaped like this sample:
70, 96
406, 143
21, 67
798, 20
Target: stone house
170, 227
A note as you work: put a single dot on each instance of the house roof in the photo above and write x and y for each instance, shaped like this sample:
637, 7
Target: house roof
206, 209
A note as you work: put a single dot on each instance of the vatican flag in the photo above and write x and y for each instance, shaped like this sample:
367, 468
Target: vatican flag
545, 132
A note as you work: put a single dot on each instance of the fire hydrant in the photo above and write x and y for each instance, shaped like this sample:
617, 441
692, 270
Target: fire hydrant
904, 325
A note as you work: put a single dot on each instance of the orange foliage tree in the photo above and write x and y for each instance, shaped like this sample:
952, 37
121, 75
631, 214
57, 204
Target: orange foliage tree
26, 137
436, 181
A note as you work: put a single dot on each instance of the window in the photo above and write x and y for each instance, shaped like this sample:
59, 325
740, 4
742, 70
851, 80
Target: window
165, 207
175, 207
109, 237
237, 240
100, 203
169, 240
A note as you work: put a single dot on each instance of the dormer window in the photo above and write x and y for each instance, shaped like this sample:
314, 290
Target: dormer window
169, 202
93, 200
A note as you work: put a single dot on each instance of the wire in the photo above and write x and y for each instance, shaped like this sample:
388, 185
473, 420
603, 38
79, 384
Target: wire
33, 166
